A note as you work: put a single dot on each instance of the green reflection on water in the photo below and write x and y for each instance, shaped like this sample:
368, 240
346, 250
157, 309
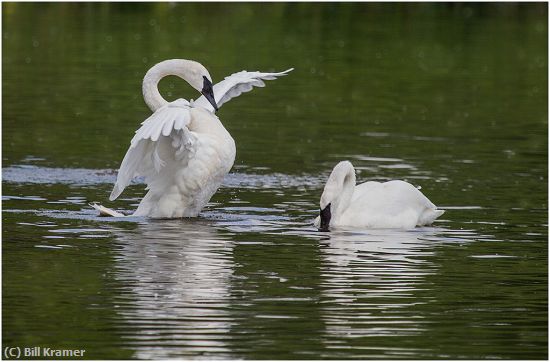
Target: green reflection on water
457, 92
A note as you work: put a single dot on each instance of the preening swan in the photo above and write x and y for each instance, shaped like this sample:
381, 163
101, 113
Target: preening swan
182, 149
392, 204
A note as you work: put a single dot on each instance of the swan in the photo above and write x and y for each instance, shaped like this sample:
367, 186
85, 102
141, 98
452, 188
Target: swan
393, 204
182, 149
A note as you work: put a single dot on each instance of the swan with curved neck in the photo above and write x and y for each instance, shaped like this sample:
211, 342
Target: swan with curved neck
392, 204
190, 71
182, 150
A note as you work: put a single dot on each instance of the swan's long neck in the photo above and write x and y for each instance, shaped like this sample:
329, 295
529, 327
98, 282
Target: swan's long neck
344, 177
182, 68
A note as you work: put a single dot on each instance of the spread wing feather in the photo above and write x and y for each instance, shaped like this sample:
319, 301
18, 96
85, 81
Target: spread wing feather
167, 127
236, 84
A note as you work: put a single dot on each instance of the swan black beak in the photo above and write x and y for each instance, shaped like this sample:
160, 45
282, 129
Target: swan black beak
208, 93
325, 218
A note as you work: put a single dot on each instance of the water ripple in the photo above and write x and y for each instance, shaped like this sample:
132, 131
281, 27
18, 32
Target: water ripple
28, 174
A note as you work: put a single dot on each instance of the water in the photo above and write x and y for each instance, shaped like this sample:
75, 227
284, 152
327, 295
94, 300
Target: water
449, 97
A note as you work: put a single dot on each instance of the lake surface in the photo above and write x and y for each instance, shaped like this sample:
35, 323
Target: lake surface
452, 98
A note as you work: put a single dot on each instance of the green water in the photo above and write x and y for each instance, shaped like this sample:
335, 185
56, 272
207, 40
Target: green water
449, 97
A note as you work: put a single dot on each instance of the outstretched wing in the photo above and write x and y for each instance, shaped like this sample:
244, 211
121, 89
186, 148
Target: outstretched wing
166, 128
236, 84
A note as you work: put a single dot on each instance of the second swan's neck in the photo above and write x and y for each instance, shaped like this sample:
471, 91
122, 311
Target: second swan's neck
345, 177
178, 67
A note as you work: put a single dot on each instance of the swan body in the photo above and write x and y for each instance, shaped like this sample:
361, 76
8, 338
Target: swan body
393, 204
182, 149
184, 157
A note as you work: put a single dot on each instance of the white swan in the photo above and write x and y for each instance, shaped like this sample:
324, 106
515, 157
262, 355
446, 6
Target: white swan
182, 149
392, 204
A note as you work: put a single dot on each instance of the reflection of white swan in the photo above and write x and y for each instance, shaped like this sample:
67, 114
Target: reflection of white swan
182, 150
177, 277
392, 204
380, 285
372, 281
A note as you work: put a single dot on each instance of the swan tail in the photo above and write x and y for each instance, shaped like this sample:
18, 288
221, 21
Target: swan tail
429, 216
103, 211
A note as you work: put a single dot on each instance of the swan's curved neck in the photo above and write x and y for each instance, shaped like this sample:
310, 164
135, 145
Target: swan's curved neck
346, 180
178, 67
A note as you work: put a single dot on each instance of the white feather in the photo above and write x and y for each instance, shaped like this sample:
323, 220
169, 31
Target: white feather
168, 126
143, 154
104, 211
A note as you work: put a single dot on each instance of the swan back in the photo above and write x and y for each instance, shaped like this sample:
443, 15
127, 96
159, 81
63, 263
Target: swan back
391, 204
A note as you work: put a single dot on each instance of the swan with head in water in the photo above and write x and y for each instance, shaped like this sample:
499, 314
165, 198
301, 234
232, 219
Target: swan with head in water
393, 204
182, 149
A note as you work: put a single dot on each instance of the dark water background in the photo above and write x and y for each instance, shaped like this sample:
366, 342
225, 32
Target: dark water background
451, 97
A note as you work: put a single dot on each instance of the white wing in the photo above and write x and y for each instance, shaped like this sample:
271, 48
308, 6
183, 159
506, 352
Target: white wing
236, 84
167, 127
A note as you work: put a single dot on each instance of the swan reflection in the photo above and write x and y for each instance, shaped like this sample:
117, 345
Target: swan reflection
177, 276
373, 283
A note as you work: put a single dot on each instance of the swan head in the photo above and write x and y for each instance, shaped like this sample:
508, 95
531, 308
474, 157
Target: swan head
198, 77
324, 218
336, 194
208, 92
